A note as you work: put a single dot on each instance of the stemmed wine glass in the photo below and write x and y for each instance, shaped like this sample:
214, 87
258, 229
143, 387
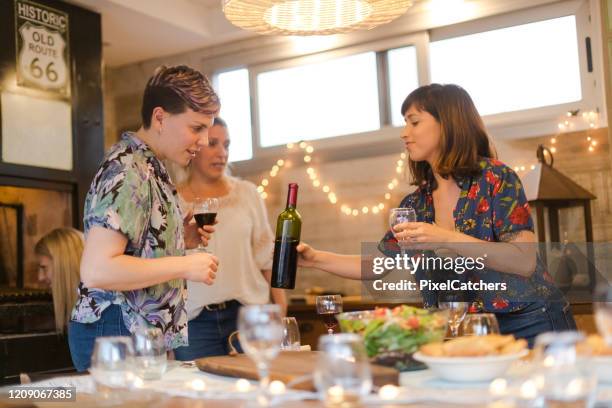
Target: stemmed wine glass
329, 306
261, 332
112, 366
456, 311
480, 324
291, 334
205, 212
399, 216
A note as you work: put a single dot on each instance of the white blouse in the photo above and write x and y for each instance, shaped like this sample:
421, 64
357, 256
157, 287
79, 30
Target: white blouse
244, 244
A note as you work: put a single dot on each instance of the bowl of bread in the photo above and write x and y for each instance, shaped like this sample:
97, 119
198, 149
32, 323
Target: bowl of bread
472, 358
599, 356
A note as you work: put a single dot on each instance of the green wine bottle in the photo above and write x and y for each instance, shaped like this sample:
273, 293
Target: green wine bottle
288, 228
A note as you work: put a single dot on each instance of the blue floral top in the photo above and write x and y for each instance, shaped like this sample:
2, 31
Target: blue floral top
132, 193
492, 207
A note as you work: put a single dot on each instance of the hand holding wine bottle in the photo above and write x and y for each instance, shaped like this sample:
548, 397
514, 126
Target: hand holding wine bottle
306, 255
288, 229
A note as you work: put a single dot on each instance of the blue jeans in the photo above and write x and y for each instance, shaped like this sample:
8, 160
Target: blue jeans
208, 333
82, 336
537, 318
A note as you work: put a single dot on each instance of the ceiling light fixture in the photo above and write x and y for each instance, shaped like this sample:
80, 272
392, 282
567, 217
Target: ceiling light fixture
312, 17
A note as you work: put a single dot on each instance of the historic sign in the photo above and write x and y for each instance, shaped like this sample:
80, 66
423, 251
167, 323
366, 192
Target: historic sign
43, 55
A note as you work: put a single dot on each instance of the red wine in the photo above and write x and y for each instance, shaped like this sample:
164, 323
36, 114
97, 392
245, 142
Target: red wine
330, 320
288, 228
285, 258
205, 219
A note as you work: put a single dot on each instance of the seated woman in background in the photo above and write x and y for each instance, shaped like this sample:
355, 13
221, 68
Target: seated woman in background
465, 196
59, 257
243, 242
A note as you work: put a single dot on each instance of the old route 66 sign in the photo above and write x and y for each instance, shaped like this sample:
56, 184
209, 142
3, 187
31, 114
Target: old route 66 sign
42, 44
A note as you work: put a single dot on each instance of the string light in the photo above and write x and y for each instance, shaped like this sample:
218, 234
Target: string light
326, 189
569, 120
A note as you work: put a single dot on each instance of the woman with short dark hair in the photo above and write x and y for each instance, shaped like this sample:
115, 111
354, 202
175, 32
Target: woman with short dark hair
134, 266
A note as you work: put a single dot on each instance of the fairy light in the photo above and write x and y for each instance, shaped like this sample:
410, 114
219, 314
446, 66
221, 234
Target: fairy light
198, 384
326, 189
591, 149
388, 392
594, 143
553, 150
277, 387
532, 167
553, 140
243, 385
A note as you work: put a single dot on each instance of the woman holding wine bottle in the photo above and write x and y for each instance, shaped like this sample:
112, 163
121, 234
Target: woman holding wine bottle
133, 268
243, 242
470, 203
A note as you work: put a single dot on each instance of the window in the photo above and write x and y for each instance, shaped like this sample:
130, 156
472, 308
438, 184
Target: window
403, 79
319, 100
521, 67
233, 90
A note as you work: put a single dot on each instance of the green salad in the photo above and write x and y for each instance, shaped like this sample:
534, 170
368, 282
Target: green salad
401, 329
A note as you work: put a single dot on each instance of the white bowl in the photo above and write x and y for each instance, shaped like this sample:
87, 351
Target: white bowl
470, 369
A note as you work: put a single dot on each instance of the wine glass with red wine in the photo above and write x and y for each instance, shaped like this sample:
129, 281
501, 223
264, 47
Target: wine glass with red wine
329, 306
205, 213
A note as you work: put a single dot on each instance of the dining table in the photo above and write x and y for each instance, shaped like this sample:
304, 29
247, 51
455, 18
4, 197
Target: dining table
184, 385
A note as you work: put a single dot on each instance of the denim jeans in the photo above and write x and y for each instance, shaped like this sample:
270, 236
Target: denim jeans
537, 318
209, 332
82, 336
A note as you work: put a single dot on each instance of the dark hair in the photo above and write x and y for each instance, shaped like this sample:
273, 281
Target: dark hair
463, 138
220, 122
177, 88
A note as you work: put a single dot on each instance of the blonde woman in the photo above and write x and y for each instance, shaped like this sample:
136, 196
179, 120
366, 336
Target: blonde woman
59, 255
243, 242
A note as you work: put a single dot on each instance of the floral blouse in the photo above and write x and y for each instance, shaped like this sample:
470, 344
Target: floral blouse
492, 207
133, 194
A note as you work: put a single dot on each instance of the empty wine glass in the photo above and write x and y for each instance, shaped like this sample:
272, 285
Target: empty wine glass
150, 361
456, 311
329, 306
112, 366
603, 311
343, 374
564, 380
261, 334
205, 212
291, 334
399, 216
480, 324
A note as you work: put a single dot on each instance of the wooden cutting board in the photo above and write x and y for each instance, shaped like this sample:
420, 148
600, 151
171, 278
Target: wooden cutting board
288, 366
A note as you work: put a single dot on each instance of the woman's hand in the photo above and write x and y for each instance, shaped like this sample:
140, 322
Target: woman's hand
306, 255
194, 235
422, 232
200, 267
